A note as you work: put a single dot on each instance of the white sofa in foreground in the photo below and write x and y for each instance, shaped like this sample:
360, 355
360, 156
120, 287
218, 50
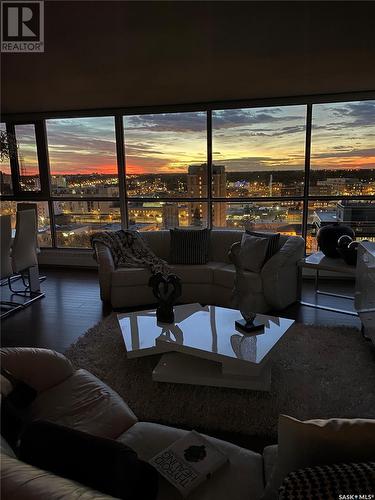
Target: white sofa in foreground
275, 287
78, 399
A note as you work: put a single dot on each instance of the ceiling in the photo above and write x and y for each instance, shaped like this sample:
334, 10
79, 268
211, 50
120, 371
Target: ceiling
104, 54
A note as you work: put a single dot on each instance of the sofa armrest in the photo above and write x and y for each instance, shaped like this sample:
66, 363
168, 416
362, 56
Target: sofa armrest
22, 481
106, 267
40, 368
280, 274
233, 254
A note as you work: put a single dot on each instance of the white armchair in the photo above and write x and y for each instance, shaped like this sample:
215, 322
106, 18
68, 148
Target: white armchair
276, 286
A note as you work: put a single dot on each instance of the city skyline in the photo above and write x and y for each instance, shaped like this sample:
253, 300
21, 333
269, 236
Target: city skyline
262, 139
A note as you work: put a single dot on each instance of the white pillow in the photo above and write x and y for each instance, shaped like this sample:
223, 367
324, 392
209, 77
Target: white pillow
320, 442
253, 252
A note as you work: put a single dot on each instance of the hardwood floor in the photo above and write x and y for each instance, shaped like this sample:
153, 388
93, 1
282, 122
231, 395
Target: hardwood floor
72, 305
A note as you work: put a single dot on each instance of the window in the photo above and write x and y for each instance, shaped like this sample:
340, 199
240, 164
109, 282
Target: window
284, 217
257, 171
166, 155
77, 220
27, 158
157, 215
44, 229
6, 186
258, 152
358, 214
342, 149
82, 156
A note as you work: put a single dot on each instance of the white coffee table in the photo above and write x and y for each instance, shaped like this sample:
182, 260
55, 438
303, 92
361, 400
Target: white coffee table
202, 346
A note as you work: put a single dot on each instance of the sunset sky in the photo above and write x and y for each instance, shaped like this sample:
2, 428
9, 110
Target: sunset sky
243, 140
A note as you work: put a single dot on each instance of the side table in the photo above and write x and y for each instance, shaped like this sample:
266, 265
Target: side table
319, 262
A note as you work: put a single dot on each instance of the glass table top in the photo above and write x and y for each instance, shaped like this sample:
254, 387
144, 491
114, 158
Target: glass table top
205, 331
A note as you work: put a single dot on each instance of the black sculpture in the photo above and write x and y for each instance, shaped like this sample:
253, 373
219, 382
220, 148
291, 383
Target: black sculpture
348, 249
167, 289
328, 237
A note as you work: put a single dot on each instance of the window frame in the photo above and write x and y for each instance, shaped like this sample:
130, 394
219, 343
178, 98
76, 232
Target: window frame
38, 119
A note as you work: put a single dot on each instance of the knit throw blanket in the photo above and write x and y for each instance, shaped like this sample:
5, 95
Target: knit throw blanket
129, 249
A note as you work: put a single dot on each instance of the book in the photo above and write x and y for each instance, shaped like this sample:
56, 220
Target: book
188, 462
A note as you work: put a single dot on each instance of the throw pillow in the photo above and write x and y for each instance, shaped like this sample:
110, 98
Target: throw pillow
253, 252
100, 463
273, 242
189, 246
320, 442
329, 482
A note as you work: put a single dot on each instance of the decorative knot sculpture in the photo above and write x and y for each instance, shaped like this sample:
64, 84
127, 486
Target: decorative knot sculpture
167, 289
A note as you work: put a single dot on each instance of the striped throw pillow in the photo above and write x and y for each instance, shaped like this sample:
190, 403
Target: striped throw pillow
273, 243
189, 246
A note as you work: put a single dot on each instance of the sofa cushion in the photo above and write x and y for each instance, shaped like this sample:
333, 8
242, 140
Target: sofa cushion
130, 276
159, 242
196, 273
225, 276
188, 274
242, 476
270, 461
220, 243
24, 482
85, 403
100, 463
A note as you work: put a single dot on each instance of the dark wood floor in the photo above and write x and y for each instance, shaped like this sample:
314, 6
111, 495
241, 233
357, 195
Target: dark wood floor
72, 305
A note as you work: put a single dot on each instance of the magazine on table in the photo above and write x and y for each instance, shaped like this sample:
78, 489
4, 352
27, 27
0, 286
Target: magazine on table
188, 462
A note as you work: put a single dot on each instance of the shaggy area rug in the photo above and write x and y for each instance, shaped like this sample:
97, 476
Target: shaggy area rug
318, 372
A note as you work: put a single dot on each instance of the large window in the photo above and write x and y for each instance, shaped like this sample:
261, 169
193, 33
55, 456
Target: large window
342, 149
166, 155
283, 217
44, 230
291, 168
6, 186
358, 214
28, 164
77, 220
261, 151
82, 157
156, 215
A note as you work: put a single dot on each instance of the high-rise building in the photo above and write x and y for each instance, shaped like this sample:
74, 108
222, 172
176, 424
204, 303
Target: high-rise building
197, 187
170, 215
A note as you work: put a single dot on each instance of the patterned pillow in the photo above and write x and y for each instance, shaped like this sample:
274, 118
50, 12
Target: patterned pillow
329, 482
273, 244
189, 246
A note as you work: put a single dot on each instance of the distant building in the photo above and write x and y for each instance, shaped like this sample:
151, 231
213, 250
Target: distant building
197, 188
58, 181
5, 183
360, 215
170, 215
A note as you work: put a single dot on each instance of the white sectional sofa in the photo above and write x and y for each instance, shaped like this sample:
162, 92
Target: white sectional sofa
275, 287
78, 399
